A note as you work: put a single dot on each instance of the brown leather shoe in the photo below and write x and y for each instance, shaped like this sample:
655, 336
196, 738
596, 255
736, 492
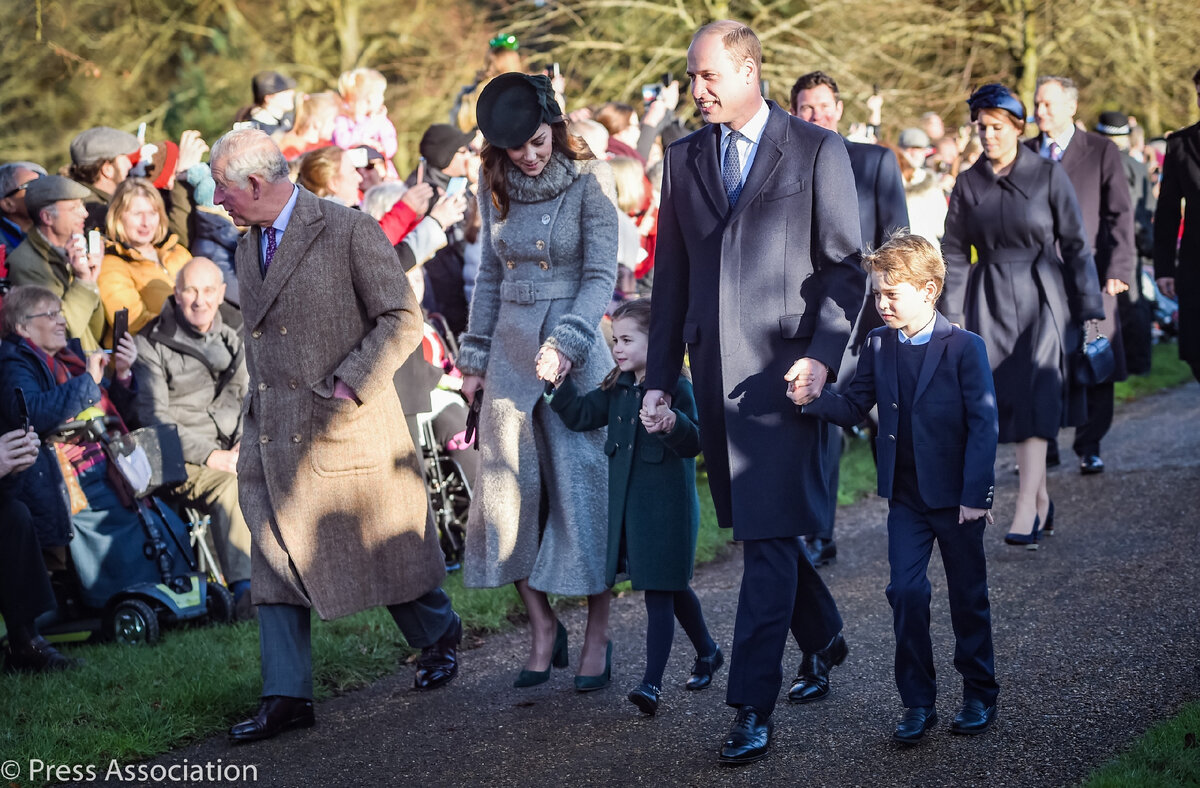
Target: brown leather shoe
276, 714
37, 656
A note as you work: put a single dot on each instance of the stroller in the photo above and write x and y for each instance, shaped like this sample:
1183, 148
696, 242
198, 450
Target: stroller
129, 581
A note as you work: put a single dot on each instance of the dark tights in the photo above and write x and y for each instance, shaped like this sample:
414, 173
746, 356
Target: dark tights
662, 608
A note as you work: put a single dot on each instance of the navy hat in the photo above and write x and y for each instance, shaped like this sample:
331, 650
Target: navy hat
268, 83
995, 96
513, 105
1113, 124
441, 141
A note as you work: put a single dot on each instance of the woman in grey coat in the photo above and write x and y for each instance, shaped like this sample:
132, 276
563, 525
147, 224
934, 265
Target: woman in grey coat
539, 516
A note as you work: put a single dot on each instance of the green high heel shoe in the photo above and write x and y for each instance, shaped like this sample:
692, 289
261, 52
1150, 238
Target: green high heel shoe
593, 683
531, 678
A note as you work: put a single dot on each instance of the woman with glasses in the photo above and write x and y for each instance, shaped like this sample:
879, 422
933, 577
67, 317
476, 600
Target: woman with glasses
138, 272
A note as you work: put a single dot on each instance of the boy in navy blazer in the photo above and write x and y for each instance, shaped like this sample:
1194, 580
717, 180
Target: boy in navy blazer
936, 458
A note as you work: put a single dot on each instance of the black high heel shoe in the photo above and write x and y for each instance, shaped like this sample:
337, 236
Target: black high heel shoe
531, 678
1029, 540
1048, 528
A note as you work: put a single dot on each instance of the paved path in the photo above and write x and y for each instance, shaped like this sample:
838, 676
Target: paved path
1097, 637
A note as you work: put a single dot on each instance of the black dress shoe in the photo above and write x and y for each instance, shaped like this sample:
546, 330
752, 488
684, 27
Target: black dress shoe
1091, 464
820, 552
275, 715
438, 664
645, 697
812, 680
748, 739
703, 670
37, 655
974, 718
915, 723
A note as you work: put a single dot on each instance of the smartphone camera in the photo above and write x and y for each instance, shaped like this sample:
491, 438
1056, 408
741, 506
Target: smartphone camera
650, 92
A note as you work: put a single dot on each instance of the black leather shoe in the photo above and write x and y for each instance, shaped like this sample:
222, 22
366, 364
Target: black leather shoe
820, 552
645, 697
974, 718
748, 739
275, 715
438, 664
1091, 464
703, 670
812, 680
915, 723
37, 655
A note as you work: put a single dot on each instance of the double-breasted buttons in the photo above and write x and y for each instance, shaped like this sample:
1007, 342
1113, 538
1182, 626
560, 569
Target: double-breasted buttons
263, 439
263, 387
511, 265
895, 406
295, 439
283, 329
544, 264
256, 333
891, 437
545, 218
541, 244
292, 384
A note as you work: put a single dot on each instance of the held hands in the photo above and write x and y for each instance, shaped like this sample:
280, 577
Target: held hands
85, 266
18, 451
551, 365
967, 514
656, 413
805, 380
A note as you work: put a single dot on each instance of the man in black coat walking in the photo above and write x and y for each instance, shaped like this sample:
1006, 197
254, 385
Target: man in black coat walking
757, 273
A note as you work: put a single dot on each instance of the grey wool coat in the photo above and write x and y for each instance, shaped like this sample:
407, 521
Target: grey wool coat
331, 490
545, 277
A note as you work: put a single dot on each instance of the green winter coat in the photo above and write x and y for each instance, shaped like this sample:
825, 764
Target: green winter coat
651, 480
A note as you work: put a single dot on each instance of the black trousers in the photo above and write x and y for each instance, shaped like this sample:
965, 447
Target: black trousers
1100, 404
25, 591
780, 592
911, 534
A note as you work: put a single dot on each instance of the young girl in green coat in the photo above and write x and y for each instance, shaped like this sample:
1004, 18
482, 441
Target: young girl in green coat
654, 512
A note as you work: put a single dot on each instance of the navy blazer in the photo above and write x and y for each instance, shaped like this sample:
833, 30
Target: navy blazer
954, 420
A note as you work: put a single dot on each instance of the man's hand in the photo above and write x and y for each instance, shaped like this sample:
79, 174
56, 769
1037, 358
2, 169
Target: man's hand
656, 404
85, 266
551, 365
663, 423
123, 357
1115, 286
805, 380
18, 451
1166, 284
419, 197
223, 460
343, 391
967, 514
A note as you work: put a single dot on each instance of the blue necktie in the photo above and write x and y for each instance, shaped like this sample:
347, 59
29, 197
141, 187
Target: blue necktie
731, 169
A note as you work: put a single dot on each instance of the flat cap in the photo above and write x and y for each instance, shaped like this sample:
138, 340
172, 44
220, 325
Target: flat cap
49, 189
914, 138
102, 143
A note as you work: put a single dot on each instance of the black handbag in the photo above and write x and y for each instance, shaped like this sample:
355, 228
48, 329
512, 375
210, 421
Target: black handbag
1094, 363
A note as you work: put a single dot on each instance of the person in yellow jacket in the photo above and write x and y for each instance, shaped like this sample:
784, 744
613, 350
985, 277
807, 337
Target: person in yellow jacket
138, 272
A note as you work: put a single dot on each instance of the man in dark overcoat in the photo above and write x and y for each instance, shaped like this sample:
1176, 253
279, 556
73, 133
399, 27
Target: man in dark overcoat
882, 209
757, 274
328, 480
1093, 164
1177, 260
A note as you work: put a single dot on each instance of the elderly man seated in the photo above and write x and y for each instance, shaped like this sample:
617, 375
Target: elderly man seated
191, 372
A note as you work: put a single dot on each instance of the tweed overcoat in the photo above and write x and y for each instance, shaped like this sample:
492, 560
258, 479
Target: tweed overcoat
1180, 186
331, 490
750, 290
546, 275
1093, 163
653, 507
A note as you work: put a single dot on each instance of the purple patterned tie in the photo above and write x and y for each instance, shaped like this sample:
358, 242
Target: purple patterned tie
271, 246
1055, 152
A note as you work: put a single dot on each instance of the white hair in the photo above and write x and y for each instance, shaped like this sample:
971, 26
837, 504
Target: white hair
380, 198
247, 152
8, 174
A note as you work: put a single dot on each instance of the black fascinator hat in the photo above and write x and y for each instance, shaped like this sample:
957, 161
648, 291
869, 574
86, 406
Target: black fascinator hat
995, 96
513, 105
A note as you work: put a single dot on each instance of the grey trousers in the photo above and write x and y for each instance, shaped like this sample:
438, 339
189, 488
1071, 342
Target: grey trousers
285, 639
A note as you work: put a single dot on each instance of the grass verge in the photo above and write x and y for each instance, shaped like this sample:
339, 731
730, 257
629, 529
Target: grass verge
1168, 755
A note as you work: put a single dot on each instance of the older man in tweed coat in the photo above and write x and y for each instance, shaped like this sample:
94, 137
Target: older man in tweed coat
329, 483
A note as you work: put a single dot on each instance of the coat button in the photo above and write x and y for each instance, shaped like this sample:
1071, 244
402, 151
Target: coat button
295, 439
256, 333
895, 406
283, 329
541, 244
616, 445
263, 439
544, 265
263, 386
511, 265
545, 218
292, 384
891, 437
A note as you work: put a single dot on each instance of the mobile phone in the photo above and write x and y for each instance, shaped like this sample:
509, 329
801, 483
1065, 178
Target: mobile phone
95, 242
22, 408
120, 326
667, 79
874, 90
456, 186
141, 135
421, 169
358, 157
650, 92
555, 72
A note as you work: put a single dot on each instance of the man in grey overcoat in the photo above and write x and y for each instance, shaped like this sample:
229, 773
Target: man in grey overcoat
757, 273
329, 482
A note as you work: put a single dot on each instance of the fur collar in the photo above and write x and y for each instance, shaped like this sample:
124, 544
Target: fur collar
559, 173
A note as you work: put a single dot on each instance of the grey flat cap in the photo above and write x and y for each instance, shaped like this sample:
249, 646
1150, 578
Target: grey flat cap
49, 189
101, 143
914, 138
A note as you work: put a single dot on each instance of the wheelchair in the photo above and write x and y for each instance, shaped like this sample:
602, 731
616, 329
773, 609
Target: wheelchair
446, 481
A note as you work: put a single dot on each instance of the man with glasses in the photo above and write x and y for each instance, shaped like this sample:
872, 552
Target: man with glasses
15, 221
55, 255
191, 372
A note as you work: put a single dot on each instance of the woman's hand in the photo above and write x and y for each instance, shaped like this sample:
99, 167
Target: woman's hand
123, 357
551, 365
418, 198
449, 211
18, 451
471, 385
96, 363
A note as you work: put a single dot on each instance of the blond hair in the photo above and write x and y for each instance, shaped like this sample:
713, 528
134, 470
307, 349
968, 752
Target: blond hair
906, 257
127, 191
739, 41
630, 180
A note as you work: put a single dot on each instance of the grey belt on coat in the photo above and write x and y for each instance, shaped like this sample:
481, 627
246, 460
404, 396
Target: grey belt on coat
529, 292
